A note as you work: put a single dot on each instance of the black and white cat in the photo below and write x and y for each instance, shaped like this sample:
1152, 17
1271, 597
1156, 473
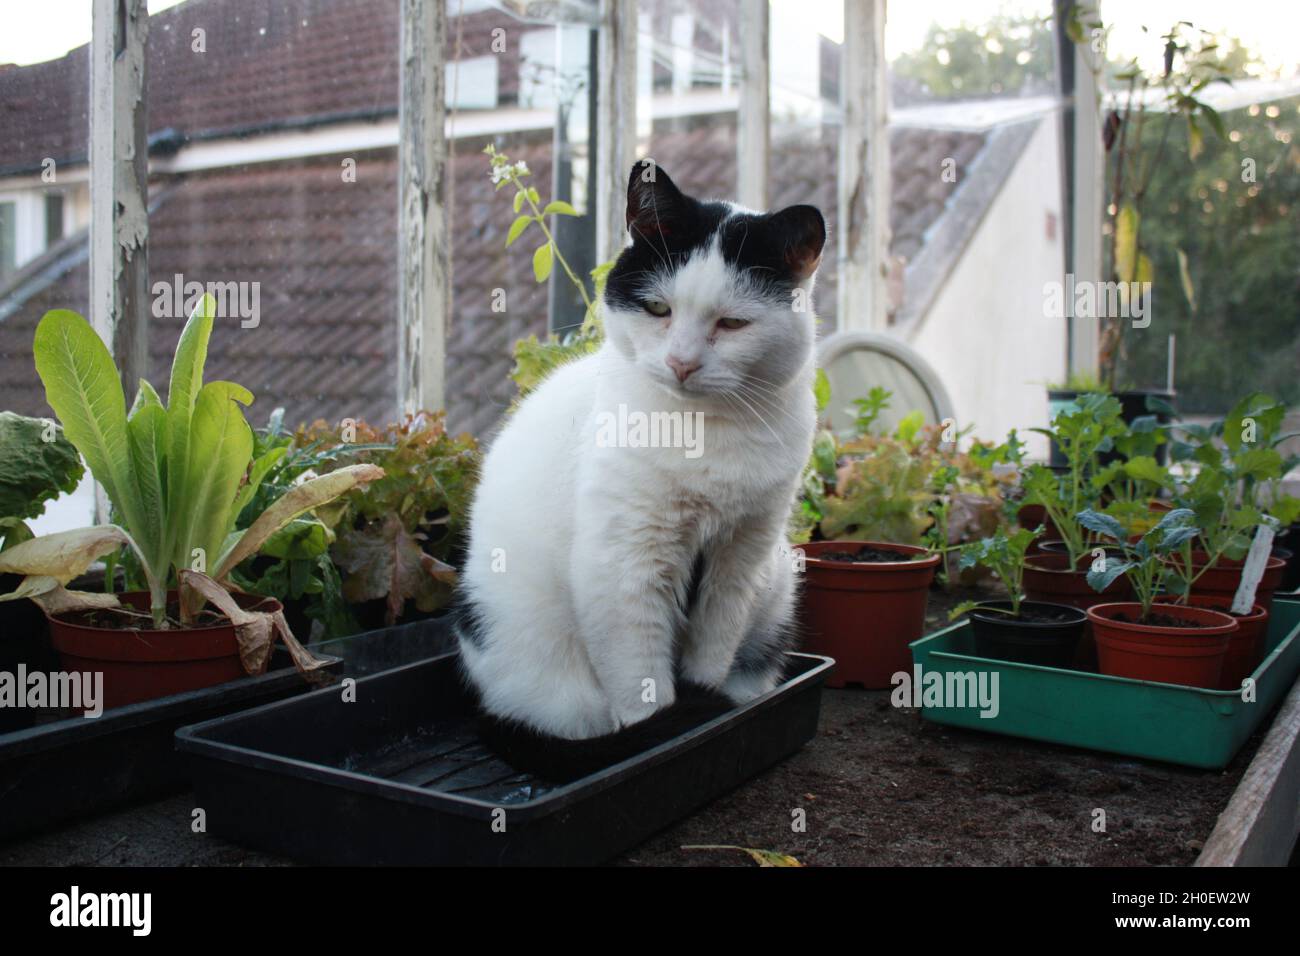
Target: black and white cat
603, 576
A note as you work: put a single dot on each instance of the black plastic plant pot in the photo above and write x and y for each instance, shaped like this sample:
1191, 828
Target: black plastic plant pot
1044, 634
1290, 553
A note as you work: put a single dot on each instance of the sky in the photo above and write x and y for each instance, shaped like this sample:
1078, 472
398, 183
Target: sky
36, 30
39, 30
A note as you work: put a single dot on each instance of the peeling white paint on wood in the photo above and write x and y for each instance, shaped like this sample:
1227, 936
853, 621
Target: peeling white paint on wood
616, 118
1088, 213
753, 141
424, 240
863, 246
119, 222
119, 189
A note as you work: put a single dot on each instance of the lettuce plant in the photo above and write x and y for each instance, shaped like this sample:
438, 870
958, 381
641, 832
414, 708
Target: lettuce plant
37, 463
909, 487
177, 474
295, 564
395, 540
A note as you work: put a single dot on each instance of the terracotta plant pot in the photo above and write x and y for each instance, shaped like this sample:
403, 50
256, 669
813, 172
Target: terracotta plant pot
1046, 643
1191, 656
1246, 649
1224, 577
140, 664
865, 614
1049, 577
1051, 546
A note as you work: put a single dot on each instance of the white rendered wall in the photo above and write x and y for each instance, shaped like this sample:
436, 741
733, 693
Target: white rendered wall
985, 333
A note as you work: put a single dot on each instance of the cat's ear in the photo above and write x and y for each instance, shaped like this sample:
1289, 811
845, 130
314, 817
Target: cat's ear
655, 206
802, 232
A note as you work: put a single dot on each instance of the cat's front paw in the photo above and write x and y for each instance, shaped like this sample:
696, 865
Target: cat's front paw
643, 701
743, 687
706, 665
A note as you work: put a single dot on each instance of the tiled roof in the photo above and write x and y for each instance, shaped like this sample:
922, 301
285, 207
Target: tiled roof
44, 112
288, 61
323, 253
323, 250
803, 168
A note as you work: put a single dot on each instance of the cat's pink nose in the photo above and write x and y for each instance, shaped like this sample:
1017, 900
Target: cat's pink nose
681, 368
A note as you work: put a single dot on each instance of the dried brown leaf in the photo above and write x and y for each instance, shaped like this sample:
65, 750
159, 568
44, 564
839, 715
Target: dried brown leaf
254, 630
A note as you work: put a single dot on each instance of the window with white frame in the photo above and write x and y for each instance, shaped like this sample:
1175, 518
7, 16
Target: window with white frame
472, 84
8, 236
23, 228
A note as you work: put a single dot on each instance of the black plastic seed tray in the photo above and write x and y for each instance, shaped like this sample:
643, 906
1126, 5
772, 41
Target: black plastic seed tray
380, 650
67, 767
399, 776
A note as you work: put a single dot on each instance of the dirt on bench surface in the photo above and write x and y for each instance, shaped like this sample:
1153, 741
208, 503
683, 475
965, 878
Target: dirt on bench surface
881, 786
878, 786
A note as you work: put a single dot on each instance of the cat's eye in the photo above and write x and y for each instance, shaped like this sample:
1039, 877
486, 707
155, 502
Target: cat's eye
732, 324
656, 307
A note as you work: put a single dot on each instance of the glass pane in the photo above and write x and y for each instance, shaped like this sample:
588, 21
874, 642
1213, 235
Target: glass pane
53, 218
44, 200
1219, 227
688, 66
8, 238
959, 75
975, 204
806, 123
274, 186
968, 51
542, 117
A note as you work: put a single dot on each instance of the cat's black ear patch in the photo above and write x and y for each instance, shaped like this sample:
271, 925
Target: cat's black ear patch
656, 208
803, 232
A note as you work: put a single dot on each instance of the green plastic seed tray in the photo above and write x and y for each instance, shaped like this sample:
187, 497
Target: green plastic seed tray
1177, 724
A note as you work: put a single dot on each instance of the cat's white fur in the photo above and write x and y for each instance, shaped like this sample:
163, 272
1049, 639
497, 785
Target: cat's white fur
580, 556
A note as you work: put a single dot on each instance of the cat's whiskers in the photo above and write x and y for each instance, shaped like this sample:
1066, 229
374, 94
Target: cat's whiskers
667, 264
654, 204
743, 239
733, 406
757, 413
772, 403
768, 396
771, 406
758, 380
